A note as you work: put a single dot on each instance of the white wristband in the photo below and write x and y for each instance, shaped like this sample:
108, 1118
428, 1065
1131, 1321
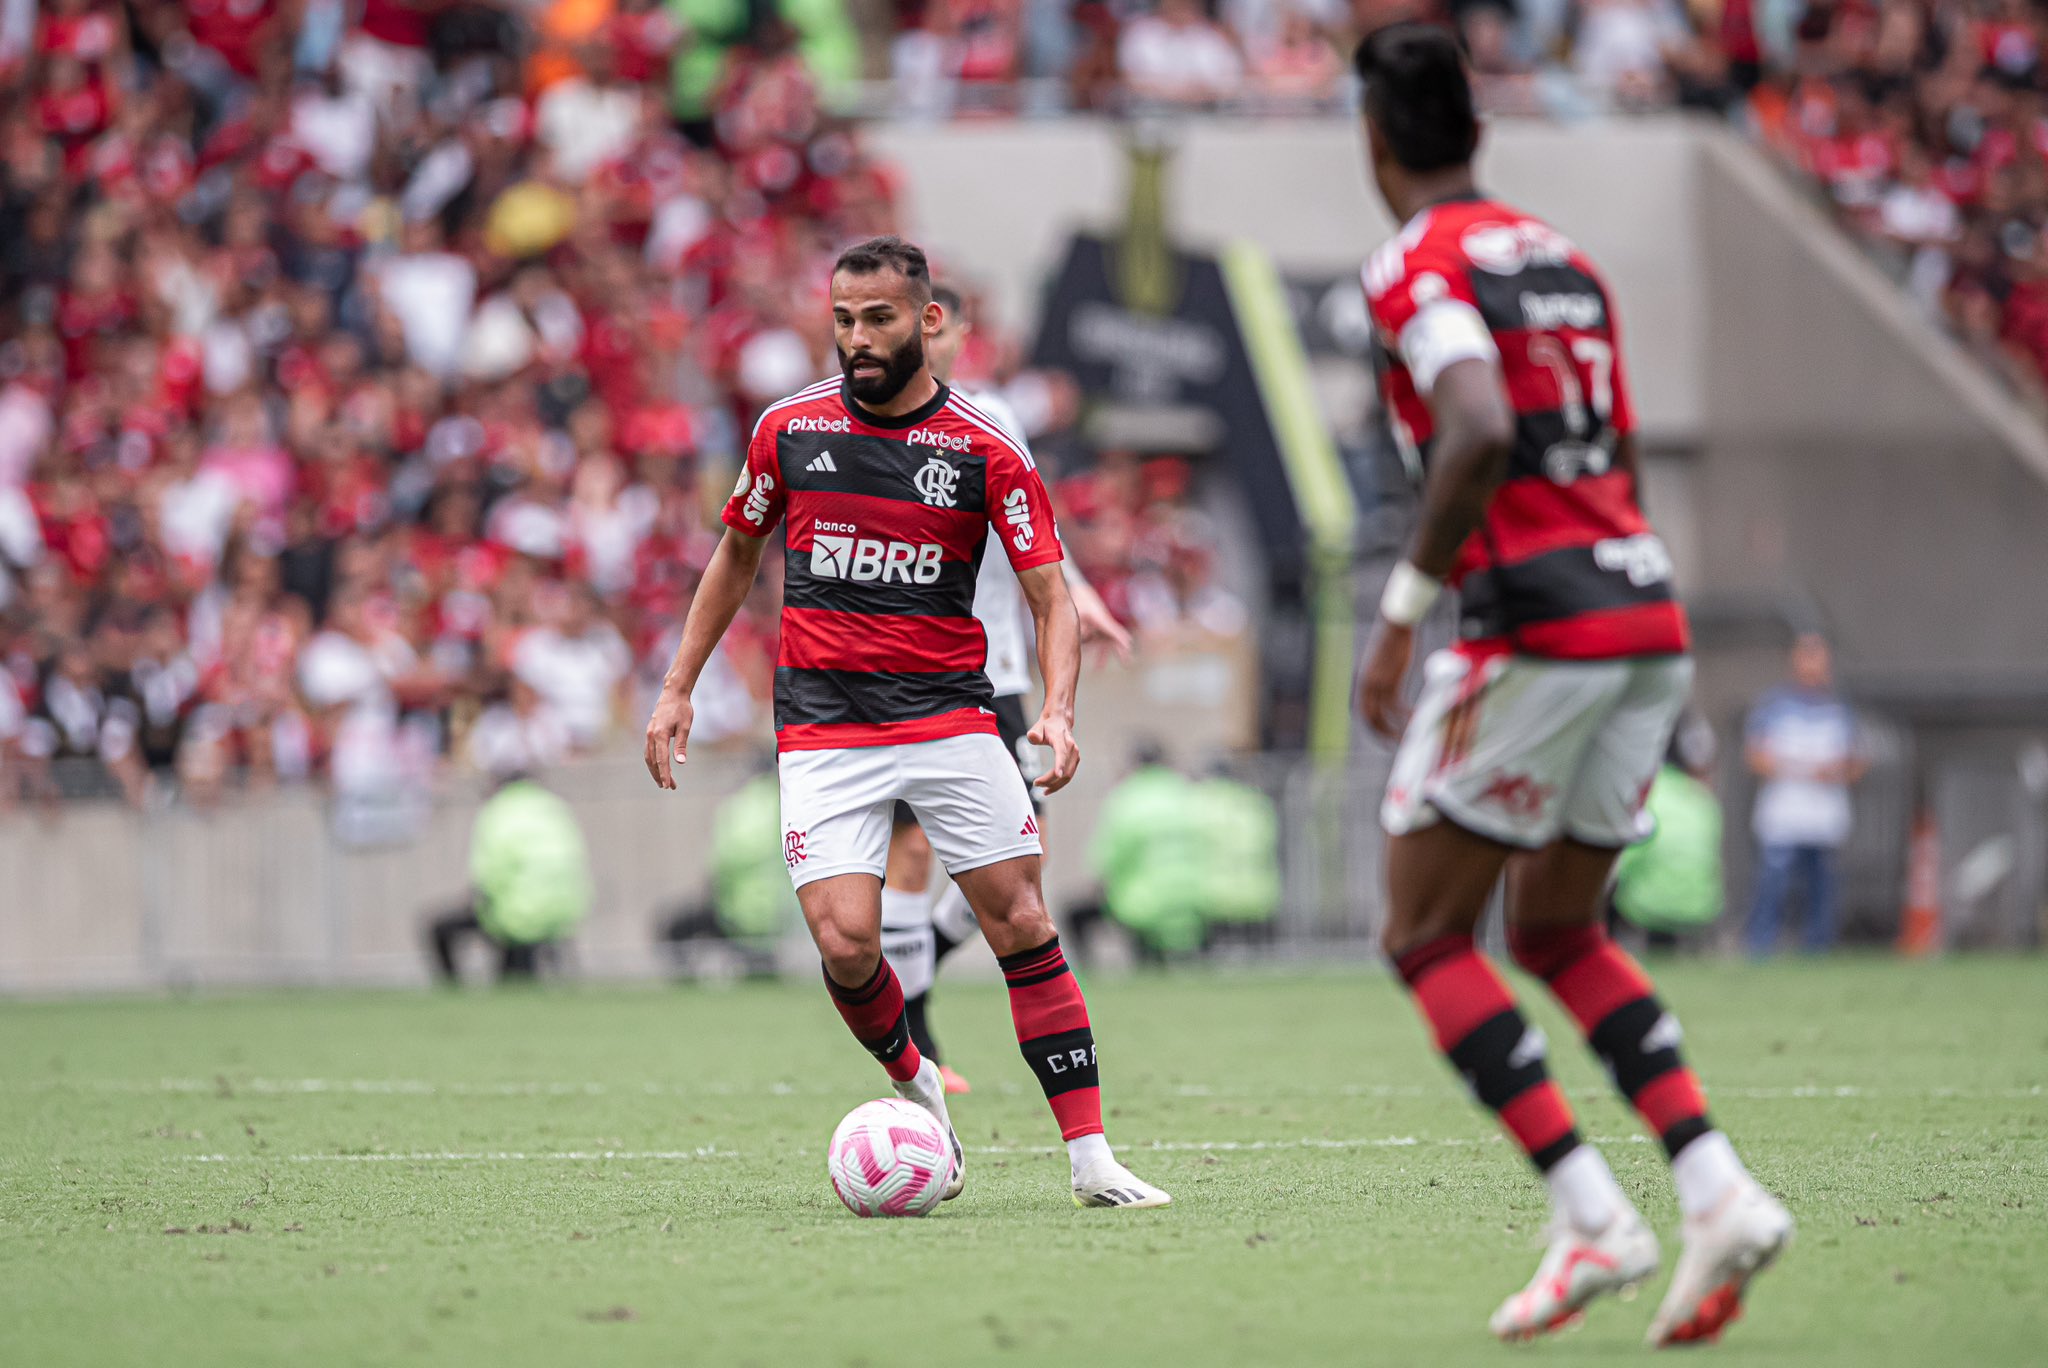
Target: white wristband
1409, 595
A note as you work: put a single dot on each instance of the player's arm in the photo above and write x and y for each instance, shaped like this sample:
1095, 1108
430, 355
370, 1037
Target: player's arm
1059, 664
1475, 431
724, 588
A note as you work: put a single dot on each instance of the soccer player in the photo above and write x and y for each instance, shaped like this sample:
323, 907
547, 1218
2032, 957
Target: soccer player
890, 484
1536, 736
917, 933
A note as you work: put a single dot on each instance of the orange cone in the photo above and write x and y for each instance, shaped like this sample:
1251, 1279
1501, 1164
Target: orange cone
1920, 924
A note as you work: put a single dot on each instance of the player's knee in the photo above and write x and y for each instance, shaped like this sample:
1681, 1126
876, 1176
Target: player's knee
1018, 923
849, 955
1403, 934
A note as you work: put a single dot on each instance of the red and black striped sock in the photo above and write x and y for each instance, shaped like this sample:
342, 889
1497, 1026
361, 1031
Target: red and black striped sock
1617, 1007
1486, 1038
874, 1013
1052, 1031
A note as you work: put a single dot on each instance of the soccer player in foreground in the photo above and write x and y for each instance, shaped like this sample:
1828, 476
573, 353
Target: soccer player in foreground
1536, 736
919, 932
890, 484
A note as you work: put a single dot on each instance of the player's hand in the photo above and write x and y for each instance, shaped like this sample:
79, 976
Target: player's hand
1379, 684
1057, 734
668, 734
1099, 625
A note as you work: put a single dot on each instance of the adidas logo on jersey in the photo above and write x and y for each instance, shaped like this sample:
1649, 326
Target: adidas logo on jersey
824, 462
1030, 827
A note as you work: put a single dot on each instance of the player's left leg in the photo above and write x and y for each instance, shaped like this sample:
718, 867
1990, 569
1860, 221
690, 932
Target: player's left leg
976, 811
1556, 900
1053, 1030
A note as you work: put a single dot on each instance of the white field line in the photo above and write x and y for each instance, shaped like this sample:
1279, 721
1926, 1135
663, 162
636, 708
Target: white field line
715, 1152
415, 1087
470, 1157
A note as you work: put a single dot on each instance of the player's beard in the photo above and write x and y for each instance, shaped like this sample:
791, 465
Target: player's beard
897, 369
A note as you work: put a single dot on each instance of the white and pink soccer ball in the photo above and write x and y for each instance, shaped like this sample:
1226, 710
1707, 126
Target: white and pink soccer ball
890, 1158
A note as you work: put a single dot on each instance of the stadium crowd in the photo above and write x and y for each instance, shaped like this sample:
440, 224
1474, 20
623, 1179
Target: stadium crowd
369, 387
372, 368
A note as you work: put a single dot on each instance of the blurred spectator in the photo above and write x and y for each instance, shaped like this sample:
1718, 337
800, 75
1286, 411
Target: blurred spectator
1150, 860
530, 875
1240, 839
578, 664
1620, 46
1670, 882
751, 902
1178, 56
1803, 745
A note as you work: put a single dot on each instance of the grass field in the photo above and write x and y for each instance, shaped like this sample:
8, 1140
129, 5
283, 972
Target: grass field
624, 1177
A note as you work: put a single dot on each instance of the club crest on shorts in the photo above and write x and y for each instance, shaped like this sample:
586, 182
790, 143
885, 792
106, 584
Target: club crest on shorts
938, 483
793, 847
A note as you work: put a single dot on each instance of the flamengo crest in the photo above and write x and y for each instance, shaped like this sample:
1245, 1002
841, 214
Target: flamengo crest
937, 483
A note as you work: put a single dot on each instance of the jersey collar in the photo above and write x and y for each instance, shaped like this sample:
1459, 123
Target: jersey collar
923, 413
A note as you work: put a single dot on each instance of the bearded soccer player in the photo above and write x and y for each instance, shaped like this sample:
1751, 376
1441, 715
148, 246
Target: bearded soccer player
1534, 738
889, 484
918, 932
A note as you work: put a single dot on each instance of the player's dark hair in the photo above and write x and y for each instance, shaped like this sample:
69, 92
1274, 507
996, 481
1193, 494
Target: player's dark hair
948, 298
889, 253
1417, 95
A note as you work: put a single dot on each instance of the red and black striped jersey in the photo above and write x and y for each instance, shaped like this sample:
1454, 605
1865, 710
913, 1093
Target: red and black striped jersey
887, 522
1564, 564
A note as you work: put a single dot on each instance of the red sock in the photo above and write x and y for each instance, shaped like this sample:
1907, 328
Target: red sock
1616, 1006
1482, 1032
874, 1013
1052, 1031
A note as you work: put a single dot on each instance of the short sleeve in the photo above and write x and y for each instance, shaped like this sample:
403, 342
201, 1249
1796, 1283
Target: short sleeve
1399, 284
1421, 299
1020, 508
758, 498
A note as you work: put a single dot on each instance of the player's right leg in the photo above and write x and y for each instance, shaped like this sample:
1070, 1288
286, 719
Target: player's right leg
907, 941
836, 810
1480, 773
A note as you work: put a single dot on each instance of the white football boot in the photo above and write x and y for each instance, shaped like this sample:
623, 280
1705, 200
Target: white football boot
1106, 1183
1575, 1269
1724, 1249
928, 1090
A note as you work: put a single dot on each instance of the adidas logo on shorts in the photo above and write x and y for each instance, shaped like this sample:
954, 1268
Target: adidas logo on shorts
823, 462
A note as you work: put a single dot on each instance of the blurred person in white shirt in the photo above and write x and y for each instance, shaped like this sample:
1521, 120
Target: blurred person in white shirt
1179, 56
578, 663
1619, 46
1803, 744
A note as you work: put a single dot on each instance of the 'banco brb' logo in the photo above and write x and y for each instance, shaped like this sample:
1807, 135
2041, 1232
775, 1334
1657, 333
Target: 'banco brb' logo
938, 483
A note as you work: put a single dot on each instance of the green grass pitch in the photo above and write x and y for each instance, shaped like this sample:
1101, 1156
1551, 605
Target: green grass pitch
624, 1177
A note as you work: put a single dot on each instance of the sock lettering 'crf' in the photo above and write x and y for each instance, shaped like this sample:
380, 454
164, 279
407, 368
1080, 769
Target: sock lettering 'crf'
874, 1013
1617, 1008
1489, 1041
1052, 1030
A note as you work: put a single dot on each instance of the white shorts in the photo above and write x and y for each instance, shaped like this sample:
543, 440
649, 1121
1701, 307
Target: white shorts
1524, 750
838, 805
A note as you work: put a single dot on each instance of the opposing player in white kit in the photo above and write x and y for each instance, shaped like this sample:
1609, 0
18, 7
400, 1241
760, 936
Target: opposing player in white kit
889, 486
918, 932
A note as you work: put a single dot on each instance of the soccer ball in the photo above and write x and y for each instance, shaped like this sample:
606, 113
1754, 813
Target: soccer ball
889, 1158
